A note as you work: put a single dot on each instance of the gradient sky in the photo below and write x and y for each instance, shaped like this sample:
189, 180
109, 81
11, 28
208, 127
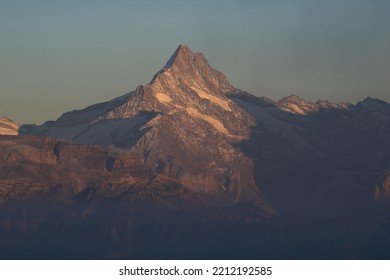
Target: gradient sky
59, 55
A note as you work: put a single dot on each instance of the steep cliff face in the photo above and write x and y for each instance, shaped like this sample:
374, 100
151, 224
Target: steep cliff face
182, 123
35, 167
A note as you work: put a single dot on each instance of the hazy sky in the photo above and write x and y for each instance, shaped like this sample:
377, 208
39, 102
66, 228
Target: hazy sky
56, 56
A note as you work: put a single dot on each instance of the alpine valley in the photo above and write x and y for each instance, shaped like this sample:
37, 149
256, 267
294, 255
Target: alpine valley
190, 167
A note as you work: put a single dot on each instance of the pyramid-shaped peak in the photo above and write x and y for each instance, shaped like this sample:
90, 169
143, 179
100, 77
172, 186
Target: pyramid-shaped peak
193, 70
183, 48
182, 55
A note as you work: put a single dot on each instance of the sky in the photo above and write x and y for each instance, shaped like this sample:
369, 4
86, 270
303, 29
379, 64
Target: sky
57, 56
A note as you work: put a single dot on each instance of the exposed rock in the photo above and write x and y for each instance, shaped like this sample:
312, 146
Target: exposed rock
8, 127
38, 166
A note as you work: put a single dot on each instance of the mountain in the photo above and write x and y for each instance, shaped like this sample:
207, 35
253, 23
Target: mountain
182, 124
189, 166
8, 127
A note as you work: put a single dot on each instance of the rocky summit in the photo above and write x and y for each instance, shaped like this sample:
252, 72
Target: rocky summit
189, 166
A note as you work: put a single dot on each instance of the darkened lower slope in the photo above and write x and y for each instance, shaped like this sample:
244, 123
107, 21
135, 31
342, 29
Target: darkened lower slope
121, 228
64, 200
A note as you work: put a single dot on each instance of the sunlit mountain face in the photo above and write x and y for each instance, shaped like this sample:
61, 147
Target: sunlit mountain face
188, 166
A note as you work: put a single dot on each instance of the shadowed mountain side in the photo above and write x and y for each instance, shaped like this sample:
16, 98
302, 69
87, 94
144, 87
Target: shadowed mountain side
323, 163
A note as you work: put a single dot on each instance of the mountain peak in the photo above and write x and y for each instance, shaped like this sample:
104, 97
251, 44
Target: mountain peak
192, 69
183, 52
185, 59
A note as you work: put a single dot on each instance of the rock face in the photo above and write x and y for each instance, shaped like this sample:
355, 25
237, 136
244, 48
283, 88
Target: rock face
182, 123
36, 168
33, 167
8, 127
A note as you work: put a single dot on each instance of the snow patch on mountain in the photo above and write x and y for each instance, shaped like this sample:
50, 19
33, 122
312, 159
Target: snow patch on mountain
162, 97
212, 121
224, 104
